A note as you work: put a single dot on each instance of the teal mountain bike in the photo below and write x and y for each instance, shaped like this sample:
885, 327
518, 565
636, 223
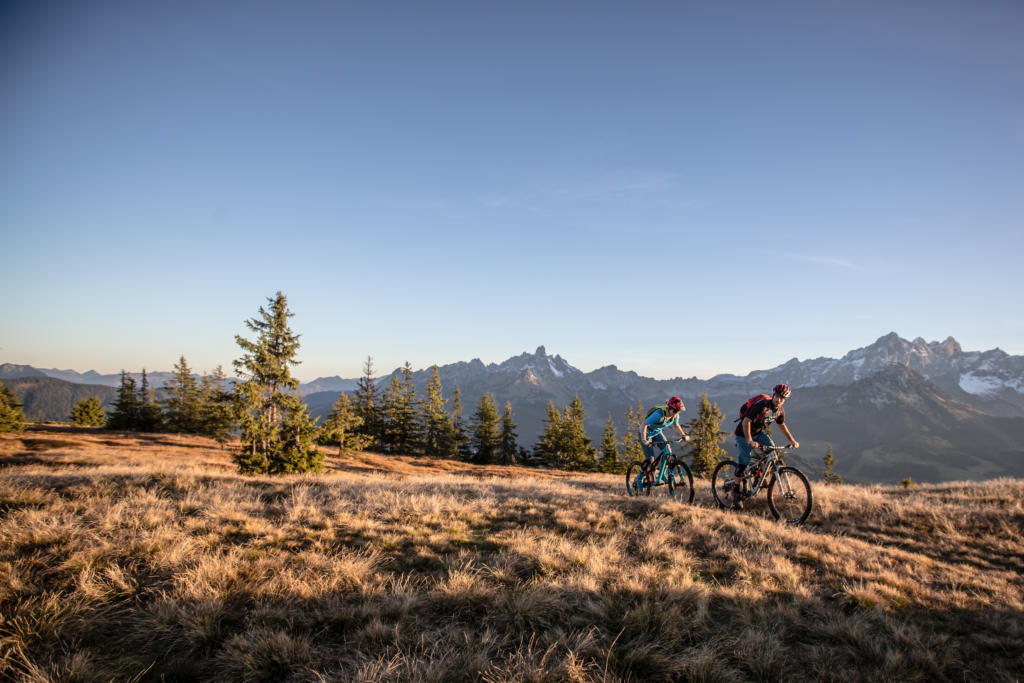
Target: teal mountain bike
667, 473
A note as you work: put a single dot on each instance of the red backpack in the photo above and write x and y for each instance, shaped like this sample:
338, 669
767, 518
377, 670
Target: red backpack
751, 401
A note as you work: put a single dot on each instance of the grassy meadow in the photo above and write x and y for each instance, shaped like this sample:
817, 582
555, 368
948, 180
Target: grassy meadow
148, 557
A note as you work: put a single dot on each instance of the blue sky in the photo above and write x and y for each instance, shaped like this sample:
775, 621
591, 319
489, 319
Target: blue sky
676, 188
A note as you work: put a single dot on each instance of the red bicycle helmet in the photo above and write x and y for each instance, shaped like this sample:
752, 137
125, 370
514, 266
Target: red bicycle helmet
782, 390
676, 403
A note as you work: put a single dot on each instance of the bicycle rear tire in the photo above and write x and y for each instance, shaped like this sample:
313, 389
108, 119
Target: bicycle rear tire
635, 468
722, 482
793, 506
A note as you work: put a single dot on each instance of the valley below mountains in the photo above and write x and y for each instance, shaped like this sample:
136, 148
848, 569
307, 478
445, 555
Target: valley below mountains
894, 409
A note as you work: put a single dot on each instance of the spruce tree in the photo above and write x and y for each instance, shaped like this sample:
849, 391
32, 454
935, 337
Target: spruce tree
581, 453
486, 431
12, 414
551, 444
183, 403
831, 478
277, 432
150, 415
706, 437
298, 451
631, 448
365, 402
216, 407
388, 416
125, 413
461, 437
507, 446
341, 424
438, 432
89, 413
610, 462
409, 428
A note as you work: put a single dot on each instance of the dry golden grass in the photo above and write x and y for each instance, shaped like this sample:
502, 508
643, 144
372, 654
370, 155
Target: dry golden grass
147, 557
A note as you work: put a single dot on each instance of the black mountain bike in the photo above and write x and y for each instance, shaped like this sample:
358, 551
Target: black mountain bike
666, 472
789, 492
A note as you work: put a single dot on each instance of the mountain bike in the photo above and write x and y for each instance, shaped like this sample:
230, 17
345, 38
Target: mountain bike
789, 492
667, 471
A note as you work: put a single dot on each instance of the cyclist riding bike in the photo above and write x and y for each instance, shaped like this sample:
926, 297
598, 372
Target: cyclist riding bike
757, 414
660, 417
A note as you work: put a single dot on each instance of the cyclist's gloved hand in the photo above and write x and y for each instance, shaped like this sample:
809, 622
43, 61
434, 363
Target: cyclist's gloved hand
753, 444
794, 445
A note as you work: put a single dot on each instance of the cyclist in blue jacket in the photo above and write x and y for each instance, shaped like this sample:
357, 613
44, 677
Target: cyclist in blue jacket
660, 417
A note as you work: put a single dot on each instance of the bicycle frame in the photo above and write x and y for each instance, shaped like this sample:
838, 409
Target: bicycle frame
769, 465
661, 464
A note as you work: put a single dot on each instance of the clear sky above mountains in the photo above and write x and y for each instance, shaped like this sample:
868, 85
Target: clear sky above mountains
675, 188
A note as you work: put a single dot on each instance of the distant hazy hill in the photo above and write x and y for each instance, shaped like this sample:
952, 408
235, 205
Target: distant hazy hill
329, 384
52, 399
11, 371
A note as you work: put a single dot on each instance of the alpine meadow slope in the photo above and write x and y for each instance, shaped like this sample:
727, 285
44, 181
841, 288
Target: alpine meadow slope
147, 556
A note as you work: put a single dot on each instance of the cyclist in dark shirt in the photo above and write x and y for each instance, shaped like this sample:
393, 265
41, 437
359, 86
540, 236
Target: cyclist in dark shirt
751, 430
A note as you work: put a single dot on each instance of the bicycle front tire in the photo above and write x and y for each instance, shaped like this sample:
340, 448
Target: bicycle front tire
792, 501
680, 485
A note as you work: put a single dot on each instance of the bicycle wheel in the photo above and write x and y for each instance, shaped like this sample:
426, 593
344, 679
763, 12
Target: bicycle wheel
635, 475
721, 484
791, 502
680, 483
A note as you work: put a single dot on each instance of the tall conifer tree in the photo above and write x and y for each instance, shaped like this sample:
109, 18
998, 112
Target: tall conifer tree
631, 448
388, 416
89, 413
508, 448
150, 415
12, 414
462, 449
610, 462
277, 432
216, 406
410, 427
365, 401
341, 423
125, 413
184, 402
581, 452
706, 437
439, 432
551, 444
486, 431
831, 478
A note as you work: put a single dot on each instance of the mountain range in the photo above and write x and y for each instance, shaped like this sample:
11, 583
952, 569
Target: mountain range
893, 409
